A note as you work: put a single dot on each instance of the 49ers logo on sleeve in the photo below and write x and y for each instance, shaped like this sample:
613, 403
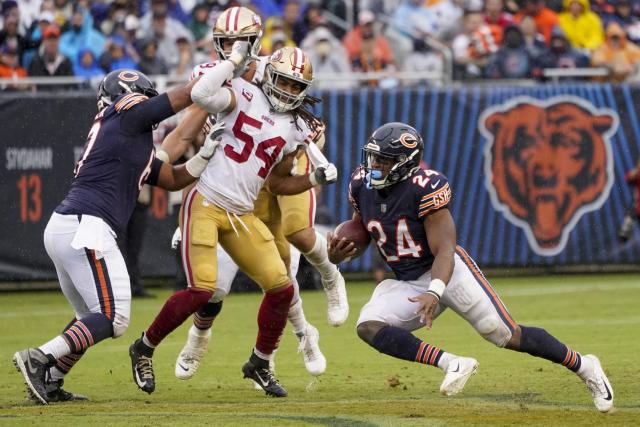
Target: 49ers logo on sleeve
547, 163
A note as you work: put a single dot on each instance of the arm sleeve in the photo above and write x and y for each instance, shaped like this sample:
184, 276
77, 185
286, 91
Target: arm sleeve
432, 192
152, 179
208, 93
140, 113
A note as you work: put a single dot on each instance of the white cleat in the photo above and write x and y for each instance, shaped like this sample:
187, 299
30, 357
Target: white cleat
189, 358
337, 304
598, 384
314, 360
457, 374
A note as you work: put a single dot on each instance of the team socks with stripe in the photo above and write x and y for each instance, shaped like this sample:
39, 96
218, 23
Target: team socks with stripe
63, 365
79, 336
404, 345
538, 342
272, 318
175, 311
204, 317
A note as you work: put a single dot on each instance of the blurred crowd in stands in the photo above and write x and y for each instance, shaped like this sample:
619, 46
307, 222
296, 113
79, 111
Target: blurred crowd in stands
503, 39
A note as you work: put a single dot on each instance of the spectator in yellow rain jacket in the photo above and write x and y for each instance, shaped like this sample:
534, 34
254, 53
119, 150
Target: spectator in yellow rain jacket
582, 27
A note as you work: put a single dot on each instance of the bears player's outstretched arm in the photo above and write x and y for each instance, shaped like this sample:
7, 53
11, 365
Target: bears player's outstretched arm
441, 236
177, 177
184, 135
156, 109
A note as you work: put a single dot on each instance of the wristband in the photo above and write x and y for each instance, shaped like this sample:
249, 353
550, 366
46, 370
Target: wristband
196, 165
436, 287
163, 155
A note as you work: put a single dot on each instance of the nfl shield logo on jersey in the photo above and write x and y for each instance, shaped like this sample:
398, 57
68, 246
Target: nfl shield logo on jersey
383, 207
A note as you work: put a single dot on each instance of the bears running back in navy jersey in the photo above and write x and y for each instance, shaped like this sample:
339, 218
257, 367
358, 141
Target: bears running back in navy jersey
395, 218
118, 159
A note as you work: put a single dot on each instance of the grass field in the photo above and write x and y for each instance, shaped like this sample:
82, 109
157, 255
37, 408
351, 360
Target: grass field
593, 314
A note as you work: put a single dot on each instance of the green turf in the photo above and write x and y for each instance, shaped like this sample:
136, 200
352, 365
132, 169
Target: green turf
593, 314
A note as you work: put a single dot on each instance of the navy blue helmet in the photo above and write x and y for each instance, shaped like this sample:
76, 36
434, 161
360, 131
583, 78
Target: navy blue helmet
123, 81
396, 145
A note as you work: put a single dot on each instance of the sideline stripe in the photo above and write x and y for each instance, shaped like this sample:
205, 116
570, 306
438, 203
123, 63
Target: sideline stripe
486, 287
186, 235
102, 284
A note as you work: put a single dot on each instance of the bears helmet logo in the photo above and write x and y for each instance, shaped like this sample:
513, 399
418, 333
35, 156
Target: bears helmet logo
547, 163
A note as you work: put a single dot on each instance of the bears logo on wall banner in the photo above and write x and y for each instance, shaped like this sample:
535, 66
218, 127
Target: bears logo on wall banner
547, 163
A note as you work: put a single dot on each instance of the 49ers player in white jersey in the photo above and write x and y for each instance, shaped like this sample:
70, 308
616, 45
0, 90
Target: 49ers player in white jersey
261, 141
289, 218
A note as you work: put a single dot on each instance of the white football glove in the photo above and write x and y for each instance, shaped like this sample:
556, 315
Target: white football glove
197, 164
239, 56
325, 174
177, 237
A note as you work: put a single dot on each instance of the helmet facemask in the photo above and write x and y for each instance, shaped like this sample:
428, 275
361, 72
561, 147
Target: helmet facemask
281, 100
403, 166
223, 54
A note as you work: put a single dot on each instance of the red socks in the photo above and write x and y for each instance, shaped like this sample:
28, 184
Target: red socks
272, 318
175, 311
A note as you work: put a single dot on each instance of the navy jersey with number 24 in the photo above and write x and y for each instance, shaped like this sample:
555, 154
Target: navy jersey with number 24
118, 159
395, 218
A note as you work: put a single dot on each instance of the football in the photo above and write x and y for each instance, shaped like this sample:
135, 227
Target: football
355, 232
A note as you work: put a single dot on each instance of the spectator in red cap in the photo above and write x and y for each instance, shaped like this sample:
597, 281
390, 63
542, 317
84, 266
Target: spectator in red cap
50, 62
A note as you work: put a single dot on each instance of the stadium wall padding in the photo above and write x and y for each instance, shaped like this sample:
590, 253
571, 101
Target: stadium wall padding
537, 172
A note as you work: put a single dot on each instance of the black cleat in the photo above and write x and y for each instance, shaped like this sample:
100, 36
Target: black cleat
34, 366
264, 378
55, 393
142, 366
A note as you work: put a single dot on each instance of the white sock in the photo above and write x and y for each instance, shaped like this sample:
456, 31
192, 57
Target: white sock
261, 355
146, 341
198, 332
586, 368
296, 317
319, 258
443, 363
56, 374
57, 347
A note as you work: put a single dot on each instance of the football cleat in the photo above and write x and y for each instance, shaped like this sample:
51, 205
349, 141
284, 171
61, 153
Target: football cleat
189, 358
598, 384
142, 366
34, 366
457, 374
263, 377
337, 303
272, 368
55, 392
314, 360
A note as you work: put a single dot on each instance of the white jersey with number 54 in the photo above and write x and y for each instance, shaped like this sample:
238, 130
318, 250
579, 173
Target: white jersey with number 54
254, 140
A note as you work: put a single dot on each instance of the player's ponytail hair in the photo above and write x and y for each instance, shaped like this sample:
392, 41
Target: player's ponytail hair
303, 111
